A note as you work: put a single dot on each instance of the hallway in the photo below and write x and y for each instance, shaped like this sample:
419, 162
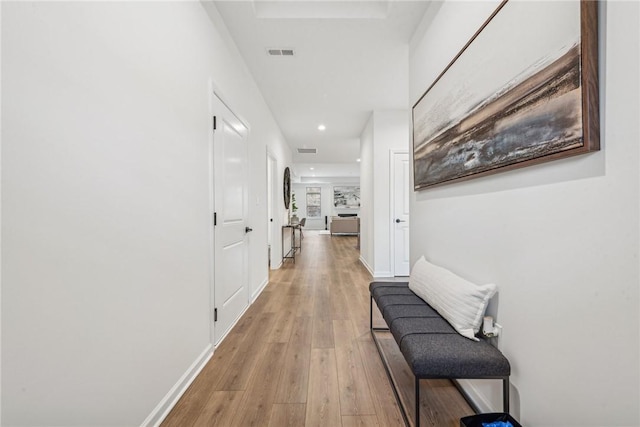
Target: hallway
302, 355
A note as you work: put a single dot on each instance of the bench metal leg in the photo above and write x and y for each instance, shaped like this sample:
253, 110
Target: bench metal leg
385, 363
394, 385
417, 423
505, 395
371, 313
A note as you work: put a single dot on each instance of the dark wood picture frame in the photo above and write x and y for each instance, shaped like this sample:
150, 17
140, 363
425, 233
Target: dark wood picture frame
286, 187
545, 111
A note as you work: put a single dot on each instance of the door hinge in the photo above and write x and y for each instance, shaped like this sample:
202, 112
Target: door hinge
215, 219
215, 314
214, 123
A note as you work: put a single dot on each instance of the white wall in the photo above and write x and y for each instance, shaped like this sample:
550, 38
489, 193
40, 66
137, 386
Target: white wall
0, 223
390, 132
366, 195
386, 131
105, 245
559, 239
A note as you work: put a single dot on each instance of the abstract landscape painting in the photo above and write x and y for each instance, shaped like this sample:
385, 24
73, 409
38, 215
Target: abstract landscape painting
515, 95
347, 197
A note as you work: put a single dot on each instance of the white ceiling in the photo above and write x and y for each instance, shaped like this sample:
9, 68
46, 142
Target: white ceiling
325, 170
351, 58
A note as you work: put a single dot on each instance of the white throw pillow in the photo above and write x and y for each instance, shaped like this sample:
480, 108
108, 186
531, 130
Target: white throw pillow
459, 301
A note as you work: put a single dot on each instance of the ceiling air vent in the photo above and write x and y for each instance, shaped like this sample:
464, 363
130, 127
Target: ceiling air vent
280, 52
307, 151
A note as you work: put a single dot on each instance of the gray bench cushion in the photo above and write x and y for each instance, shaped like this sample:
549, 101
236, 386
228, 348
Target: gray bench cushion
407, 311
389, 300
452, 356
432, 348
379, 291
402, 327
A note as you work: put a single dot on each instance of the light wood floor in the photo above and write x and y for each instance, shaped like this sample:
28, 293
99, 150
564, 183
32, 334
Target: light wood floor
302, 355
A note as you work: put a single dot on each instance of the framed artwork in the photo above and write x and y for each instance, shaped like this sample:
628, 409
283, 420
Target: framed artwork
522, 91
347, 197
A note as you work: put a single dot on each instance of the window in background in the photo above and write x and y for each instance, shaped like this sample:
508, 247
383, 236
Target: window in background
314, 202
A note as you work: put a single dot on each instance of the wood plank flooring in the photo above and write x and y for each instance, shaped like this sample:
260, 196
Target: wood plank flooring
302, 355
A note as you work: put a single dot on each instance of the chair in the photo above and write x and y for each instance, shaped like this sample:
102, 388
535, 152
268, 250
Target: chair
303, 221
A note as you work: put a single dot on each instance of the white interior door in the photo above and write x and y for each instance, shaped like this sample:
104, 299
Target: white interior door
401, 213
271, 169
231, 291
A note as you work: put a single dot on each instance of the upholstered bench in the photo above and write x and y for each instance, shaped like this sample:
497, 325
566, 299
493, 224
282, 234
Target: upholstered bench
432, 348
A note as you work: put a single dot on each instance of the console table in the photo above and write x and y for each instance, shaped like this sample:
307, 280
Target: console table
291, 253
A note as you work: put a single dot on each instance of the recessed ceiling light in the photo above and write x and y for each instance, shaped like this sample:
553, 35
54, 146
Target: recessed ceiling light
321, 127
311, 169
357, 160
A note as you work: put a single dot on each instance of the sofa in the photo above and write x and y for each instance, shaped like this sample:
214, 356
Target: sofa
345, 225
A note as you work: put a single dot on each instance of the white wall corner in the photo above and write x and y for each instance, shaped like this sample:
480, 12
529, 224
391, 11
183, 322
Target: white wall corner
367, 266
161, 411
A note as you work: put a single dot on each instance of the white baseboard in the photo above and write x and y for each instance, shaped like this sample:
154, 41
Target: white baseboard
376, 274
161, 411
258, 291
366, 266
474, 396
382, 275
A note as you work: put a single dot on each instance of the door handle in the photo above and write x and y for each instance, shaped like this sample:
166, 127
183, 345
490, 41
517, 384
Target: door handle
398, 220
248, 229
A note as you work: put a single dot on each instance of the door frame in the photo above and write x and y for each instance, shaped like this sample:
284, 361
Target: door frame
392, 198
214, 92
271, 170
